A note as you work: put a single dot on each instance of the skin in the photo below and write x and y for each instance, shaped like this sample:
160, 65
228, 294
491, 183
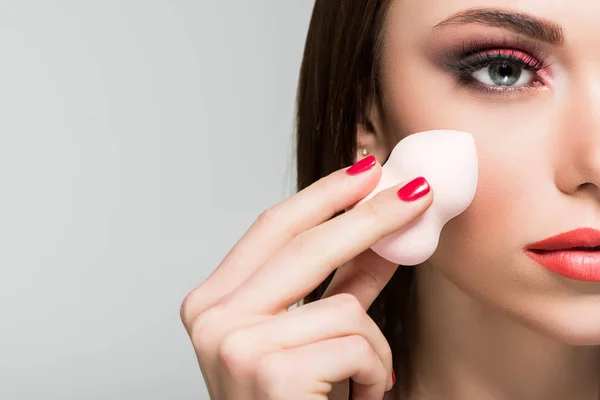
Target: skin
493, 324
249, 346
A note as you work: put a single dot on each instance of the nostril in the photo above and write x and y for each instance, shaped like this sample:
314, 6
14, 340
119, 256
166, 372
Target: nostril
590, 189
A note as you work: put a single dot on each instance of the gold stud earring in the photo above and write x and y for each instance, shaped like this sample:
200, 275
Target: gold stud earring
365, 152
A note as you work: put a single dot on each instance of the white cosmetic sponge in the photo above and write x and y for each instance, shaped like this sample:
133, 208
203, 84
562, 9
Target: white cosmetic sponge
448, 160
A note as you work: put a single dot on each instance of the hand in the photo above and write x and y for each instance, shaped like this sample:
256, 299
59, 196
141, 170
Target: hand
250, 346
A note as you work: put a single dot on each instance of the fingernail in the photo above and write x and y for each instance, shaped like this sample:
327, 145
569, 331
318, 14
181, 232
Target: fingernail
414, 189
393, 377
362, 166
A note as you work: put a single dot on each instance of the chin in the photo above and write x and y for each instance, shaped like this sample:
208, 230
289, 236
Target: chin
571, 321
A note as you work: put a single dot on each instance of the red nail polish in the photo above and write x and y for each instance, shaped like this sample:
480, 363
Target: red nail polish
393, 377
414, 189
362, 166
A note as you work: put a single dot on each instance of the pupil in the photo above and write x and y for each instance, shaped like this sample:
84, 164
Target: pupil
504, 74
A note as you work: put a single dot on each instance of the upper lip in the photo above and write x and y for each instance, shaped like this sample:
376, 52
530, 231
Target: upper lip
578, 238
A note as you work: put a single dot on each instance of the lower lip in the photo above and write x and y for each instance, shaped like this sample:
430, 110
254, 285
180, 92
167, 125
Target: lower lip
580, 265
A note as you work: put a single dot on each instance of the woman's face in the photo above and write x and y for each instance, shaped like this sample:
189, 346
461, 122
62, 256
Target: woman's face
526, 83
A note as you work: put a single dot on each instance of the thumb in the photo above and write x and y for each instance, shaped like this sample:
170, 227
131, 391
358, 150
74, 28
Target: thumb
364, 276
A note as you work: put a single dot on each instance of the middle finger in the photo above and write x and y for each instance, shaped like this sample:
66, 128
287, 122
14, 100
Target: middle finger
310, 257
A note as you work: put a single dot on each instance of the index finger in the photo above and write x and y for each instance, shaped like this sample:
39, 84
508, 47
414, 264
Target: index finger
277, 226
307, 260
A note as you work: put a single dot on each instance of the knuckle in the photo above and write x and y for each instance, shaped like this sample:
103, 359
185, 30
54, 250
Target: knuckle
235, 355
186, 310
361, 348
267, 217
301, 243
196, 302
349, 306
368, 278
204, 329
206, 320
374, 211
387, 349
273, 220
386, 355
364, 354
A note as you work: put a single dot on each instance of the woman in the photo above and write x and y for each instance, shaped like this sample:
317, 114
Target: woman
496, 312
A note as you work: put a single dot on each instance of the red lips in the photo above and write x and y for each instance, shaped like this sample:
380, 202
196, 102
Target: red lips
571, 254
579, 238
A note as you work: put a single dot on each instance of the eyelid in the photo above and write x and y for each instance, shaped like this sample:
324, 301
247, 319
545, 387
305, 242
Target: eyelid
518, 56
476, 44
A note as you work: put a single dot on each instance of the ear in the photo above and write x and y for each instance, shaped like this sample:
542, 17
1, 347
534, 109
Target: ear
370, 132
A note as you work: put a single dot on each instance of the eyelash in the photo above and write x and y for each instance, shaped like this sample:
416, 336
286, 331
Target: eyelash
477, 59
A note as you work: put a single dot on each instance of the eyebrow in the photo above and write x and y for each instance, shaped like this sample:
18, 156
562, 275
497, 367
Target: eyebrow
517, 22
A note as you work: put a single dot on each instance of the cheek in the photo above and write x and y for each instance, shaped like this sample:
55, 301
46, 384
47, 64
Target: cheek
515, 184
478, 247
480, 251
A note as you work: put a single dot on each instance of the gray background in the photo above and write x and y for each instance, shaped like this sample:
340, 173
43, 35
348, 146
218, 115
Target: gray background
138, 141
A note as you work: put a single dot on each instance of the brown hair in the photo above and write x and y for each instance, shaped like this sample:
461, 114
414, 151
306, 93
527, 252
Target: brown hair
339, 74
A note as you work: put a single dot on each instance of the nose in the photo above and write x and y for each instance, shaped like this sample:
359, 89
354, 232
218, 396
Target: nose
578, 140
